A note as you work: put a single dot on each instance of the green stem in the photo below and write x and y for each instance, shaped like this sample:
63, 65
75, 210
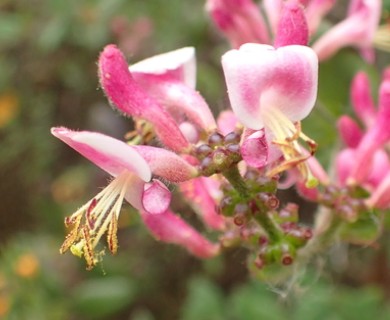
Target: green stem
234, 177
262, 217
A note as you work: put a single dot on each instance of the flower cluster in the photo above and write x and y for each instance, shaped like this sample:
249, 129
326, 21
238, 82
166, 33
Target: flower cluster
229, 169
241, 21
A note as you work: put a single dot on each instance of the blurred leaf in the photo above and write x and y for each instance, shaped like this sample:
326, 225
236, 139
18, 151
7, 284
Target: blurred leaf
322, 302
53, 34
204, 301
255, 301
11, 26
364, 231
98, 298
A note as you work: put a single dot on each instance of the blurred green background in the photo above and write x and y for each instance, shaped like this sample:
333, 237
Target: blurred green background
48, 53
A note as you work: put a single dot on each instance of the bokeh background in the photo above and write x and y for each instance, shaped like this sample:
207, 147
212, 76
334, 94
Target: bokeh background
48, 53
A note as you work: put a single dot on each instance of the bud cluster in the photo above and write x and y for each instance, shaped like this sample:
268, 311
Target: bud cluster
219, 153
275, 234
347, 203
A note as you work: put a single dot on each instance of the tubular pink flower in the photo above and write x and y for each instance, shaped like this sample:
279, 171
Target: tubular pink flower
197, 192
167, 164
350, 132
361, 99
168, 227
129, 97
239, 20
358, 30
292, 27
131, 172
272, 89
377, 135
315, 11
170, 79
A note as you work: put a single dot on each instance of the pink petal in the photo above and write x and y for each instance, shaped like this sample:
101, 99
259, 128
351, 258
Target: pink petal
198, 195
240, 20
130, 98
111, 155
135, 192
315, 11
292, 26
156, 197
167, 164
344, 162
177, 98
254, 148
179, 65
227, 122
168, 227
361, 99
259, 76
189, 131
377, 135
350, 132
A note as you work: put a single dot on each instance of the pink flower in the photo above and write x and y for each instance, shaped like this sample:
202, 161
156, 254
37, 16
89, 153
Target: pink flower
168, 227
132, 169
203, 193
240, 20
129, 97
376, 135
293, 21
273, 89
361, 99
170, 78
357, 29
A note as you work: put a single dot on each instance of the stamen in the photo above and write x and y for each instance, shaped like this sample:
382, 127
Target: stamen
286, 135
97, 216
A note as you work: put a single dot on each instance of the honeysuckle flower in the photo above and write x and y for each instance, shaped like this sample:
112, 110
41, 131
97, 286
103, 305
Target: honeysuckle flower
379, 167
376, 136
298, 19
361, 99
132, 169
274, 89
202, 193
240, 20
170, 78
129, 97
357, 29
349, 130
168, 227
